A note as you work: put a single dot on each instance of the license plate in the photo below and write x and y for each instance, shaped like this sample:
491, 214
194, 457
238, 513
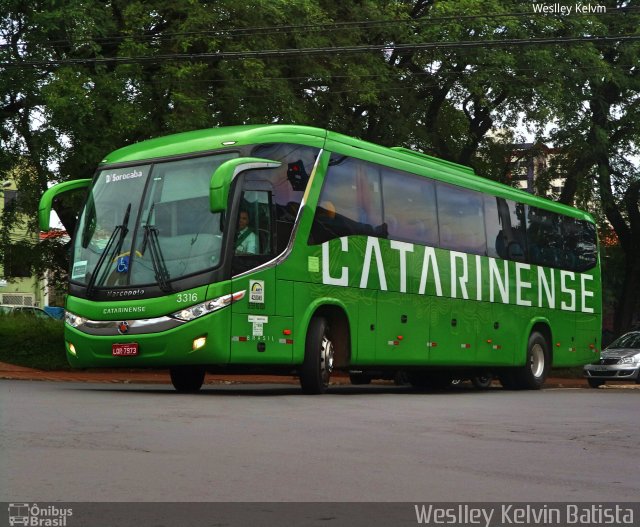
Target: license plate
600, 369
124, 350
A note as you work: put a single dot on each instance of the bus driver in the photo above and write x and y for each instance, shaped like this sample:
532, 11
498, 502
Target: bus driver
245, 238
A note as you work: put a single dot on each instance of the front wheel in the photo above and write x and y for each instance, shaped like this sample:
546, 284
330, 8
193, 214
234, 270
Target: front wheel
318, 358
187, 379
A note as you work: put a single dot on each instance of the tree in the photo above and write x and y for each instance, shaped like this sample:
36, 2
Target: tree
598, 128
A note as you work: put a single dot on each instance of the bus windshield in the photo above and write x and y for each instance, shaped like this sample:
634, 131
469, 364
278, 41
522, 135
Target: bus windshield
148, 224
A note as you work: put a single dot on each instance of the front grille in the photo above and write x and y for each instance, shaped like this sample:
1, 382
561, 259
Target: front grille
609, 361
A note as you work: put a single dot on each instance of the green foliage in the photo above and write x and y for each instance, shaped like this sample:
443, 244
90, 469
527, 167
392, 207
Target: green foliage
34, 343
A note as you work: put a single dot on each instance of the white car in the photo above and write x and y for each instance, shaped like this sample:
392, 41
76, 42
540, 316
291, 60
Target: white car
28, 311
619, 362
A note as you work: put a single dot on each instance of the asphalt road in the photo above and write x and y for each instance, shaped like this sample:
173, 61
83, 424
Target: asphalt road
97, 442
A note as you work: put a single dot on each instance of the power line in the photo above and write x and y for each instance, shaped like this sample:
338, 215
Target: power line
277, 53
335, 26
392, 76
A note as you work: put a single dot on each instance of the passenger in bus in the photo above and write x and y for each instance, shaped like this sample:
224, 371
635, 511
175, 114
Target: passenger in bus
245, 237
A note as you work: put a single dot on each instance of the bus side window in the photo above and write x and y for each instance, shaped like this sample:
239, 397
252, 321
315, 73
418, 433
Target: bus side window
505, 230
544, 239
409, 207
461, 219
580, 250
350, 202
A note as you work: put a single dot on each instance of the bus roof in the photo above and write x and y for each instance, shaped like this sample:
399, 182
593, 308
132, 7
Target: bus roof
212, 139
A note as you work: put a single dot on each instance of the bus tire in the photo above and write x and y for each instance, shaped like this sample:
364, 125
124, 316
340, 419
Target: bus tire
532, 375
187, 379
318, 358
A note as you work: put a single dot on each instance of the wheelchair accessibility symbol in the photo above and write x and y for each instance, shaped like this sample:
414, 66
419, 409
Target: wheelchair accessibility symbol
122, 265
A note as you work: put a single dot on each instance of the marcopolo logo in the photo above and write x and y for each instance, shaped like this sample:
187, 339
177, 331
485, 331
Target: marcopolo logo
38, 516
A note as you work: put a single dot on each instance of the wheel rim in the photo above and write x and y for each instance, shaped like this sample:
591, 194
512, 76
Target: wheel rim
326, 359
537, 360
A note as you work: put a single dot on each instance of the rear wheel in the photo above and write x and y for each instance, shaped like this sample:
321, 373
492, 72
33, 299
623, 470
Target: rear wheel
595, 383
187, 379
318, 358
532, 375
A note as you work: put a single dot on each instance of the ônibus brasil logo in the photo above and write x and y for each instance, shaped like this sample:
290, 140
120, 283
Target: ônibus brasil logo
36, 516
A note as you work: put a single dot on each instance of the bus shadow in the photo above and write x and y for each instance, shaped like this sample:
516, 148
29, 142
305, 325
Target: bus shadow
270, 390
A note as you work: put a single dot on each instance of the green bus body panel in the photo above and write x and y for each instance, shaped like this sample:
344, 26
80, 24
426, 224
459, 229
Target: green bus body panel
156, 349
450, 322
213, 139
405, 304
162, 349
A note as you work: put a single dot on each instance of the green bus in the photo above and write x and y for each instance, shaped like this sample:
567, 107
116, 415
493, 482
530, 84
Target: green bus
296, 250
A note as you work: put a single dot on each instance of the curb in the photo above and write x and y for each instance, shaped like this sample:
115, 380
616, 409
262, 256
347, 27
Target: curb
13, 372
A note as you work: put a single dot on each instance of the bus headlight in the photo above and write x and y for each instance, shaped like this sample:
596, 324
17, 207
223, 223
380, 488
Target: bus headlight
73, 320
207, 307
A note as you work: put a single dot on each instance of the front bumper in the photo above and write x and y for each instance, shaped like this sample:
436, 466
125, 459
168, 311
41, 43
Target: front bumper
165, 347
612, 372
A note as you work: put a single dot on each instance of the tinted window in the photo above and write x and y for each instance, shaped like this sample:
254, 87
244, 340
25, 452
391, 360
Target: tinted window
287, 183
350, 202
409, 207
544, 238
504, 222
461, 219
580, 247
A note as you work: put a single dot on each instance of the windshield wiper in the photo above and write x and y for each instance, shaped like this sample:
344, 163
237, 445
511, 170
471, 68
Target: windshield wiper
157, 259
112, 248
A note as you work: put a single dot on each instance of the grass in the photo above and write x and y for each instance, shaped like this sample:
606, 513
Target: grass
32, 342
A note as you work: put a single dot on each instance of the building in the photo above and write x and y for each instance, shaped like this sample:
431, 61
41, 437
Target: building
529, 163
17, 285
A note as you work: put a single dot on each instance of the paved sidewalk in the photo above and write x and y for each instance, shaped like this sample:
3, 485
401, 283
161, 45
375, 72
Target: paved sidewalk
124, 376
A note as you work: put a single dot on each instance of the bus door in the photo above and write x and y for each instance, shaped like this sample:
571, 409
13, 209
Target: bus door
256, 328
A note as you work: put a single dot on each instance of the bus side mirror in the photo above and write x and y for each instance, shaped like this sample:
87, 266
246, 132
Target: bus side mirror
223, 177
46, 201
